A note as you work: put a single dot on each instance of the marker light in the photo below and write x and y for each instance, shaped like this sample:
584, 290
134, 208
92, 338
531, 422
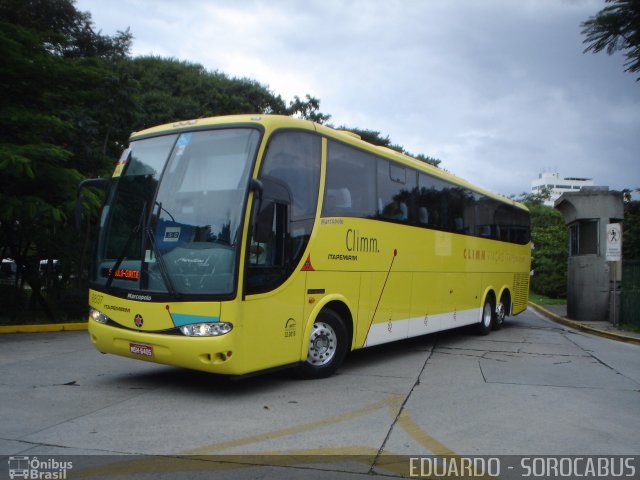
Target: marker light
206, 329
98, 316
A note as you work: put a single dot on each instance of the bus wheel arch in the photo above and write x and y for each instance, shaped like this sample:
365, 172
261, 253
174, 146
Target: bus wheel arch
487, 314
503, 309
329, 338
341, 309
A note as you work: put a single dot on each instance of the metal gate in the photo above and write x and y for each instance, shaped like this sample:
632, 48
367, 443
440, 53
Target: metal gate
630, 294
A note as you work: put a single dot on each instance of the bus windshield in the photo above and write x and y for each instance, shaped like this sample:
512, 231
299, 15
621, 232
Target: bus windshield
171, 223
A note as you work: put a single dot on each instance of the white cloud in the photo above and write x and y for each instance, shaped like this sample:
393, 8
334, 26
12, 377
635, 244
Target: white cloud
499, 90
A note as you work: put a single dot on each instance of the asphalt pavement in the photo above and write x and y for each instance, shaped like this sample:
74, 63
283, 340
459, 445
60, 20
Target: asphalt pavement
534, 387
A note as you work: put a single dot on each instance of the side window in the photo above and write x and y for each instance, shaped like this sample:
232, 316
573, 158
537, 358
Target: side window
583, 237
284, 211
501, 222
460, 210
486, 225
294, 159
350, 188
518, 226
395, 186
432, 202
445, 206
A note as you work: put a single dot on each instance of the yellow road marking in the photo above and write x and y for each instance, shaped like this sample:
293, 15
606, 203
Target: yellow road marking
422, 437
50, 327
209, 458
391, 401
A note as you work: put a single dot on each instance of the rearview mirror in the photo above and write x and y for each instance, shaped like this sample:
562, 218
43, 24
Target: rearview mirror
89, 182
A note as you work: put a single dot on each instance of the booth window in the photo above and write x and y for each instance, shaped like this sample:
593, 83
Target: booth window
583, 238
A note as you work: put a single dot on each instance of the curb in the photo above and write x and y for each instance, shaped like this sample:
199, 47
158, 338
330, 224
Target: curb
583, 327
50, 327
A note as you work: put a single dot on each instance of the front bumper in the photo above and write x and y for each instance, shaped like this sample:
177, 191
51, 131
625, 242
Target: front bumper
209, 354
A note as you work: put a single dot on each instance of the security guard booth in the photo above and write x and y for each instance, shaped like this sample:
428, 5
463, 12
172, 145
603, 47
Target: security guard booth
591, 279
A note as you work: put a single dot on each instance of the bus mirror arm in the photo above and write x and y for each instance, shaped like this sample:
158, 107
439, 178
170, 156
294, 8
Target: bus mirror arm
255, 185
89, 182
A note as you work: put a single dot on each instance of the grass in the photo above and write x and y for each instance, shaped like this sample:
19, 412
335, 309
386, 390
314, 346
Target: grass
543, 300
630, 327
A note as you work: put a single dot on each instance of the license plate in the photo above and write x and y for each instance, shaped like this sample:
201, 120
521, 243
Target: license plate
140, 349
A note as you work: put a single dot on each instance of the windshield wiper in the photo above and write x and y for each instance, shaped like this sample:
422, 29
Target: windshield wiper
164, 272
123, 254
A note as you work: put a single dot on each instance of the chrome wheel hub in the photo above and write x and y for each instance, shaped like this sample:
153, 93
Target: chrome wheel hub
322, 344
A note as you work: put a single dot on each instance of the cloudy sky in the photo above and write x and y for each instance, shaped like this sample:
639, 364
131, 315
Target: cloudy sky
499, 90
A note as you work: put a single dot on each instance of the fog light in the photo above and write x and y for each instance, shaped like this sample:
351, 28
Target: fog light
206, 329
98, 316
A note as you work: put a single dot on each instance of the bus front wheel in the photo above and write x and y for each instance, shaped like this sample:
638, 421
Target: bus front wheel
488, 316
327, 346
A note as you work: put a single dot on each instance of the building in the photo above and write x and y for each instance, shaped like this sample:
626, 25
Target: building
592, 293
557, 185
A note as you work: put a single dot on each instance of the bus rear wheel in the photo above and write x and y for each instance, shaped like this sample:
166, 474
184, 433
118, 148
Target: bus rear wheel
327, 346
488, 317
501, 313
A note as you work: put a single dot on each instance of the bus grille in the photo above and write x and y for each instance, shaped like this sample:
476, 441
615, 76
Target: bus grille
520, 291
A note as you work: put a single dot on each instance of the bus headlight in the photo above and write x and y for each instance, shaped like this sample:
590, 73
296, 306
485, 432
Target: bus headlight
206, 329
98, 316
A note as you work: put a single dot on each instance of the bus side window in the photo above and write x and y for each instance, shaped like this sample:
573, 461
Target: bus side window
430, 198
423, 216
268, 239
395, 185
350, 187
338, 199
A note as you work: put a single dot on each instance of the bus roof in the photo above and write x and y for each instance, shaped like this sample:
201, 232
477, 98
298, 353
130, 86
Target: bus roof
272, 122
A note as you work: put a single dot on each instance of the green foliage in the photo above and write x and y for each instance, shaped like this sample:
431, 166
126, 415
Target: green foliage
375, 138
166, 90
549, 256
550, 238
631, 231
544, 300
63, 30
308, 109
55, 106
616, 28
70, 97
426, 158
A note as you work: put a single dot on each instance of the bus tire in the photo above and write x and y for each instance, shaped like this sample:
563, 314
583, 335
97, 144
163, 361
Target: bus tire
487, 319
327, 346
500, 315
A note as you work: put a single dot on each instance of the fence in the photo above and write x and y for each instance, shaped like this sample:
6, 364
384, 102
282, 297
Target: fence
630, 294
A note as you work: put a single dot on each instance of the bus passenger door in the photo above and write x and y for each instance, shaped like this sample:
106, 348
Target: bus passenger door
274, 294
284, 209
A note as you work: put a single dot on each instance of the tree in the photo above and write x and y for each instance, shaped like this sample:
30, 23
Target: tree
309, 109
375, 138
631, 228
64, 31
55, 83
69, 98
550, 252
166, 90
616, 28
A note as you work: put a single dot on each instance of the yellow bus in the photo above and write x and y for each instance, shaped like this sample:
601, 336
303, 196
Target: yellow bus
241, 244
